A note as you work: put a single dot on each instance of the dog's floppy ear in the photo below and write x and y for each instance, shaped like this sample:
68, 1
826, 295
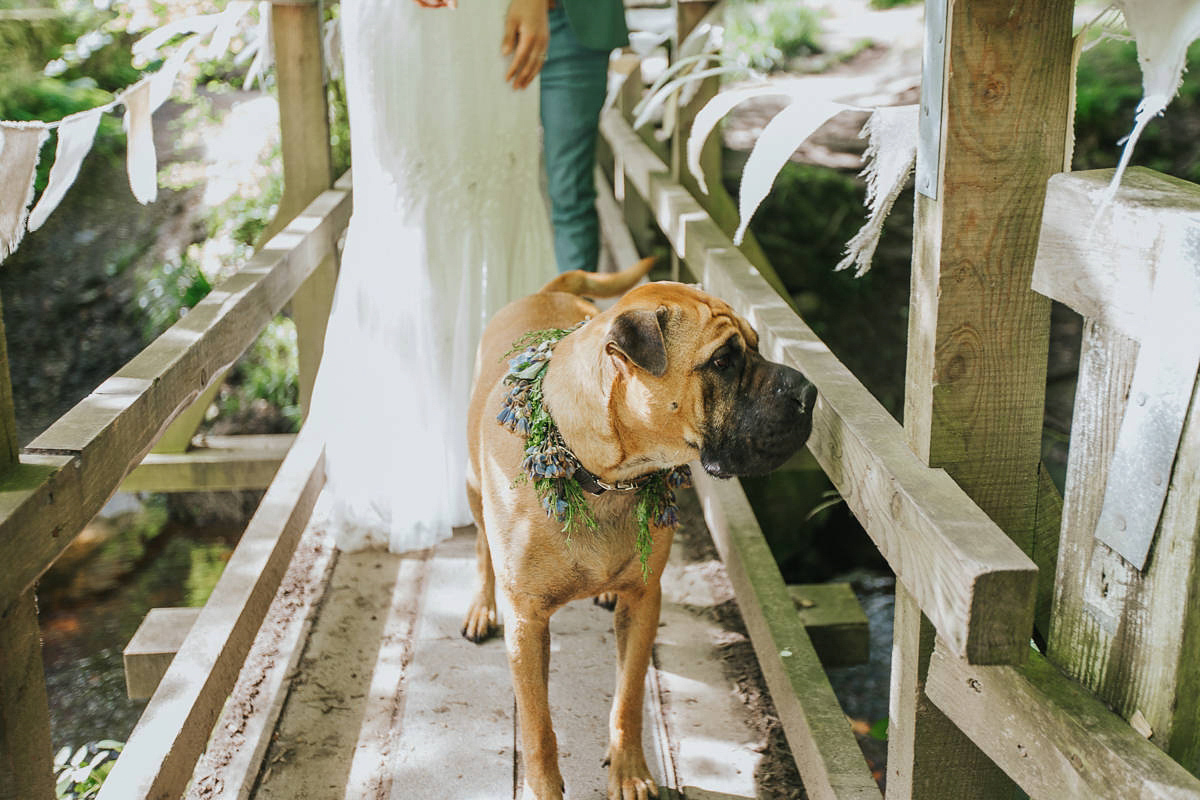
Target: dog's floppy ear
638, 335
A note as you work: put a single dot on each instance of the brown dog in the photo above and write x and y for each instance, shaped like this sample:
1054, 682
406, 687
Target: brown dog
667, 375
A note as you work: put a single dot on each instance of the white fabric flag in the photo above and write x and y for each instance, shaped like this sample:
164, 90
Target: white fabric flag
75, 136
20, 143
163, 81
1163, 29
141, 161
892, 154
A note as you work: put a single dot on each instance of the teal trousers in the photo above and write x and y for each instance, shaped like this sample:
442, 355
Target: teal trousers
573, 85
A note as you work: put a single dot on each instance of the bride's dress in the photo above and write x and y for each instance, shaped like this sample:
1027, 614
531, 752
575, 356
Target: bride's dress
449, 224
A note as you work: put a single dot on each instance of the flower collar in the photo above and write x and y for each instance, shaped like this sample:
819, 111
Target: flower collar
558, 477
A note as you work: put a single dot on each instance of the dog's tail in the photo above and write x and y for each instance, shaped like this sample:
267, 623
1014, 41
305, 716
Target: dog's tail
600, 284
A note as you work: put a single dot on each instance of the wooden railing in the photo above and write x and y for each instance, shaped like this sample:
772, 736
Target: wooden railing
52, 488
974, 546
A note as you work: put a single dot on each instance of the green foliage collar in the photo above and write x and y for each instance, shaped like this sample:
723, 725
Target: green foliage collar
555, 471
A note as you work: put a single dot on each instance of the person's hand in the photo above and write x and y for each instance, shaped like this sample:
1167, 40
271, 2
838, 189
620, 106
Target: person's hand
526, 37
437, 3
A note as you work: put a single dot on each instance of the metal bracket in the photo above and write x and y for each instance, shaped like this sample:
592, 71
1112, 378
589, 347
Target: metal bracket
1164, 380
933, 82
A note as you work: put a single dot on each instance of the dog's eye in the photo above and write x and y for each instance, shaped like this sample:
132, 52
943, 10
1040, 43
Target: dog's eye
725, 360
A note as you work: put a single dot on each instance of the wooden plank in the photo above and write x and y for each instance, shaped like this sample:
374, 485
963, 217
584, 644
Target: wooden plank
709, 729
826, 752
1055, 739
221, 463
8, 422
1130, 636
350, 685
977, 587
115, 426
978, 337
297, 38
1086, 266
613, 231
152, 648
834, 621
161, 752
26, 766
233, 760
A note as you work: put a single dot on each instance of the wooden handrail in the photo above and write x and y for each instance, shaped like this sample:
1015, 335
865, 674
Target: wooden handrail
974, 584
67, 474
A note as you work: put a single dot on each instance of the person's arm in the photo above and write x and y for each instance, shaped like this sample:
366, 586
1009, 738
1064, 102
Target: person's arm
526, 37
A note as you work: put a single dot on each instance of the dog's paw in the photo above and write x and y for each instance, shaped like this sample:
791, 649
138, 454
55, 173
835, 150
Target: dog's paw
606, 600
480, 624
629, 777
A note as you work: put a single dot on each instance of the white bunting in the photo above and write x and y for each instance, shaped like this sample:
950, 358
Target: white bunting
20, 143
141, 161
75, 136
891, 154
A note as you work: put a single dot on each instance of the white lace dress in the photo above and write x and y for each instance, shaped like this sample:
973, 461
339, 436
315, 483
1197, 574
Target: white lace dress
449, 224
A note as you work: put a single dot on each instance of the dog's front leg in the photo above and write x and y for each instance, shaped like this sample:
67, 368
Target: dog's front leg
635, 622
528, 641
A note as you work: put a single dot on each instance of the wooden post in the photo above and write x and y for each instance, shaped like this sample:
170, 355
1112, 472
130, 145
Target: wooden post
307, 171
26, 767
307, 164
978, 335
1130, 635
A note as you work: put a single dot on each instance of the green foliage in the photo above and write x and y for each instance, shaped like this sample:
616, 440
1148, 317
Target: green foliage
168, 291
268, 372
767, 34
79, 774
882, 5
207, 563
1109, 88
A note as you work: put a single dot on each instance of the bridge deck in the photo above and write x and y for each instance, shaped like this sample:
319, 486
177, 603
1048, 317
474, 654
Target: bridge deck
378, 696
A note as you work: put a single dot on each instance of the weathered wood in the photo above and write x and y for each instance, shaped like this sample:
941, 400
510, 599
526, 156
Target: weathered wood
1105, 269
978, 337
1051, 735
82, 458
234, 757
826, 752
162, 750
297, 38
25, 759
26, 765
834, 621
973, 582
617, 239
153, 647
220, 463
1047, 524
1132, 637
8, 422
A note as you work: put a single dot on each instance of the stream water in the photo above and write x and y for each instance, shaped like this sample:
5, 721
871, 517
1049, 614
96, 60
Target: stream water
94, 600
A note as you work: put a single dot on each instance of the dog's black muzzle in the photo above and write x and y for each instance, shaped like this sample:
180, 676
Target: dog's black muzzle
761, 424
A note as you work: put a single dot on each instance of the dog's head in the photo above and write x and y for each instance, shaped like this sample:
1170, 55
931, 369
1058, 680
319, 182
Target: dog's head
689, 369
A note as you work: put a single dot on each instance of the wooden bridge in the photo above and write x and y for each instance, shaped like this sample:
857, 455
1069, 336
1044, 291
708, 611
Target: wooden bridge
313, 674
